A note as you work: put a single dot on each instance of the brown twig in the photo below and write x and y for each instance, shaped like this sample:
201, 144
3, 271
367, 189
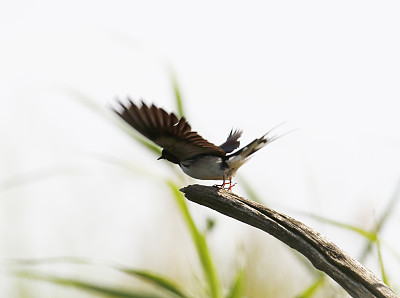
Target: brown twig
322, 253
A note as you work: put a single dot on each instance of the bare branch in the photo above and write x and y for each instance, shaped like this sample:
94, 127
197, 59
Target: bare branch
322, 253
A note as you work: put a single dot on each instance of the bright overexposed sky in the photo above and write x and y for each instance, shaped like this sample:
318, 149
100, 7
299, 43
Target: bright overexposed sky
329, 70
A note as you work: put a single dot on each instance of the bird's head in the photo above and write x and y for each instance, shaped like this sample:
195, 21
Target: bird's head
168, 156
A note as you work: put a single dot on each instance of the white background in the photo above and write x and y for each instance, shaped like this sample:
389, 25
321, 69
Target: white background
331, 70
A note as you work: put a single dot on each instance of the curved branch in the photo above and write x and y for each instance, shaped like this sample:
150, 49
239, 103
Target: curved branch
322, 253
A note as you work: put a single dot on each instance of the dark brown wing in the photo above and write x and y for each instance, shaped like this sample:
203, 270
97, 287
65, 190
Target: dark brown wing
167, 131
232, 142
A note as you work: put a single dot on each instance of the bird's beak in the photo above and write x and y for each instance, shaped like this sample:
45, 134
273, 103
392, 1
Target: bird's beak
160, 158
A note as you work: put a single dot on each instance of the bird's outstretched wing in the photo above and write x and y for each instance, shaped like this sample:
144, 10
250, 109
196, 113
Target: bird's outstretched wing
175, 136
232, 142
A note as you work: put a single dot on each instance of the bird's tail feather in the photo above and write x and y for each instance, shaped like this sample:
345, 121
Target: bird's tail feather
253, 147
257, 144
238, 158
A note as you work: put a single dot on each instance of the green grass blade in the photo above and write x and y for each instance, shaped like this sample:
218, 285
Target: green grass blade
123, 164
38, 175
372, 237
236, 290
161, 282
306, 263
390, 207
84, 100
158, 280
85, 286
369, 235
22, 179
249, 190
106, 114
177, 93
150, 146
392, 250
383, 218
210, 225
312, 289
200, 243
381, 265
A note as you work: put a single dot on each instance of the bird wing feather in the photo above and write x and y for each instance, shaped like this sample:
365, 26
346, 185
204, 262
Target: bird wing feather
175, 136
232, 142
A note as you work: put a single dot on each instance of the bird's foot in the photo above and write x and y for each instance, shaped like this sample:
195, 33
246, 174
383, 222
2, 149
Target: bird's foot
219, 185
229, 188
227, 185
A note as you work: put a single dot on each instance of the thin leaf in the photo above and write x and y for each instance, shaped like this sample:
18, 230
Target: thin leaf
380, 258
162, 282
306, 263
236, 290
177, 93
91, 104
249, 190
392, 250
390, 207
369, 235
85, 286
200, 243
311, 290
158, 280
152, 147
38, 175
384, 217
124, 164
210, 225
85, 100
22, 179
106, 113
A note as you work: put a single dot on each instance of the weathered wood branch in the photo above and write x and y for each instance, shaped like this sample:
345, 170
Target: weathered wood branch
323, 254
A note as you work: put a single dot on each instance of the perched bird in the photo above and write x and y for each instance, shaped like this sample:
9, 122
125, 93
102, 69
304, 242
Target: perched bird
197, 157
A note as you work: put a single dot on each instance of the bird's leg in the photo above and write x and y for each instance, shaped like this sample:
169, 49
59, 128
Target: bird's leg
226, 185
230, 184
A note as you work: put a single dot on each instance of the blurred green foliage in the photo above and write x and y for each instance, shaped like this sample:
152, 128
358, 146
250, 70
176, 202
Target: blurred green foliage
213, 285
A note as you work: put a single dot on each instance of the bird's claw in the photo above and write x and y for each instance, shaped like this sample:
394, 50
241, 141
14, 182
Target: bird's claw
227, 185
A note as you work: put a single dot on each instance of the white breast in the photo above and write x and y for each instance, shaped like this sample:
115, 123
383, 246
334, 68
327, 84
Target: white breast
204, 168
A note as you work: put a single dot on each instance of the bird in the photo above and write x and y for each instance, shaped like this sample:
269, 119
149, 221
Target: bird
197, 157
